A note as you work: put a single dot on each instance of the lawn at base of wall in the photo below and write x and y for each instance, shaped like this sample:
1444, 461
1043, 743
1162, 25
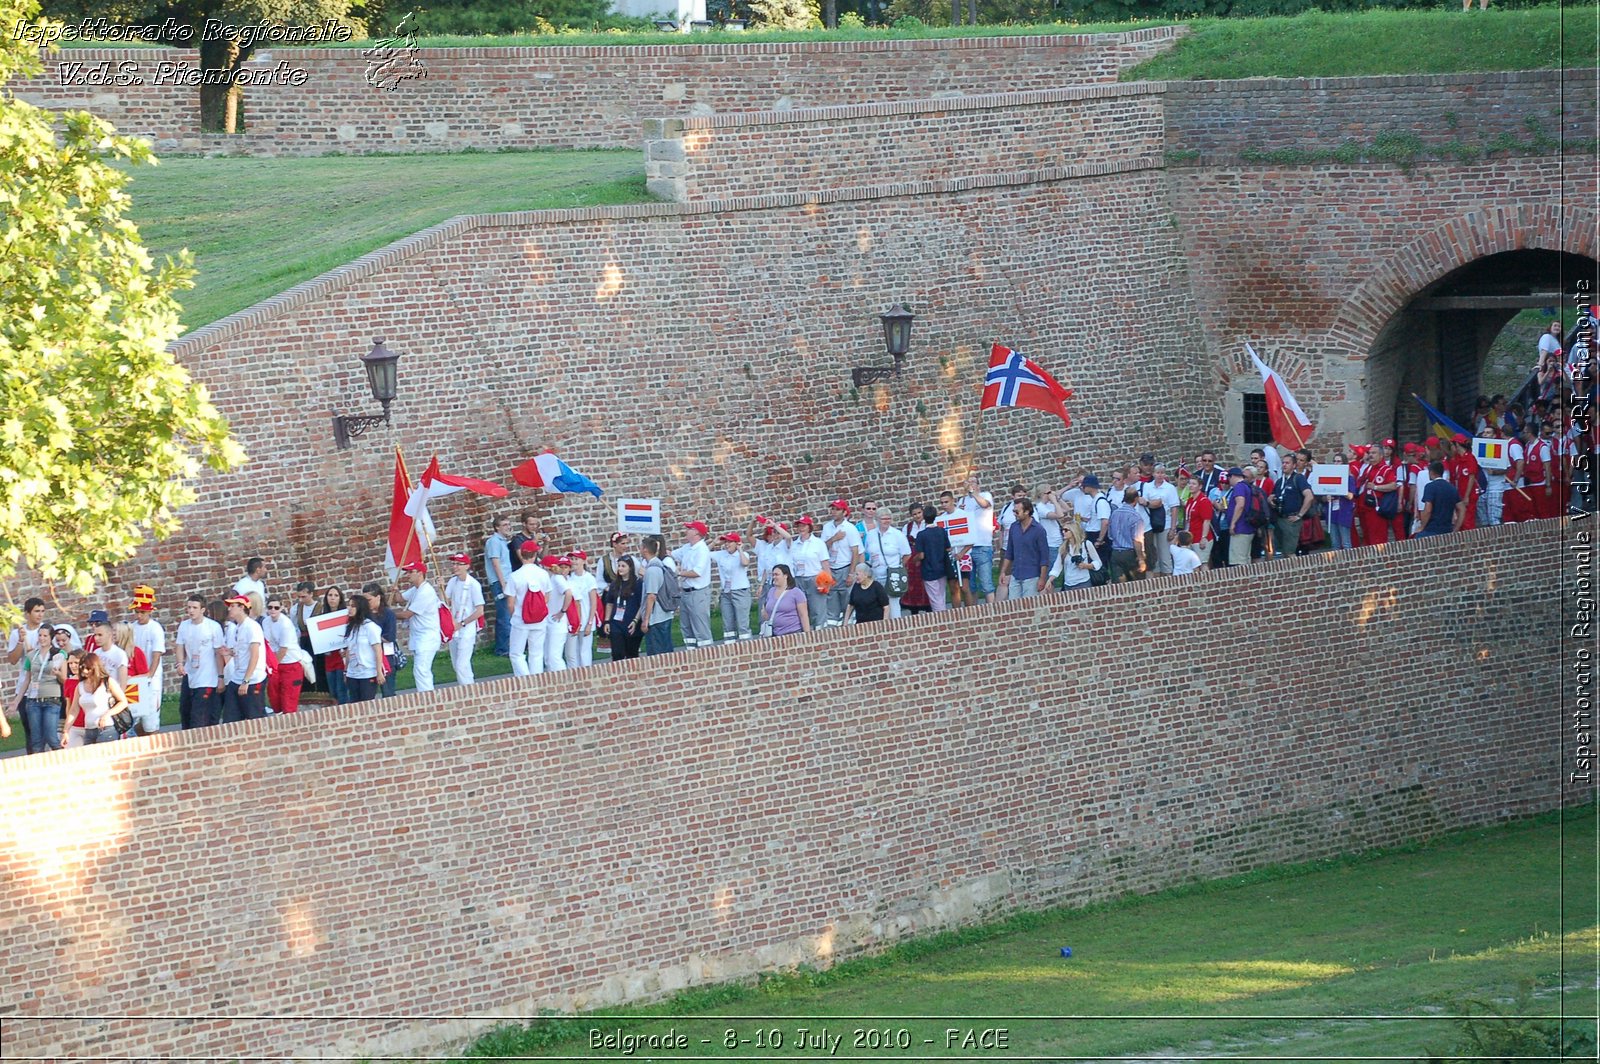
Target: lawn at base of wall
1263, 964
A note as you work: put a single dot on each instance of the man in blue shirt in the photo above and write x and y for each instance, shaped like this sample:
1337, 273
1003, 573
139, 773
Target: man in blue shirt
1240, 528
1127, 539
1442, 508
1027, 554
1292, 500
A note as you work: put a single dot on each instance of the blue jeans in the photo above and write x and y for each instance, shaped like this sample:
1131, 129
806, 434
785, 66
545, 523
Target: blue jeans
336, 686
358, 690
658, 640
982, 570
42, 717
1339, 536
388, 679
99, 735
502, 620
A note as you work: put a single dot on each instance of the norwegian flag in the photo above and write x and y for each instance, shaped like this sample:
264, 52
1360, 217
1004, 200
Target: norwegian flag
1015, 380
956, 526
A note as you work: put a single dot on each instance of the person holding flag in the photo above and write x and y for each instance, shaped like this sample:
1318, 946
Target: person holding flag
421, 612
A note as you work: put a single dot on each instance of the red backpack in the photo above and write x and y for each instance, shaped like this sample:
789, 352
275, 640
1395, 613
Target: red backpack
447, 624
535, 610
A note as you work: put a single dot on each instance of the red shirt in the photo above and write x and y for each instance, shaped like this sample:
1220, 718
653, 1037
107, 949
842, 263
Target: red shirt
1200, 512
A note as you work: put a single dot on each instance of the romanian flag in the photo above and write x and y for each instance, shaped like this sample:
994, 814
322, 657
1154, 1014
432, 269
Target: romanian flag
1438, 424
1491, 454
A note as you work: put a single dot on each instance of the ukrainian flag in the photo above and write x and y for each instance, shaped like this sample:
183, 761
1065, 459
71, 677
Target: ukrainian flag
1438, 424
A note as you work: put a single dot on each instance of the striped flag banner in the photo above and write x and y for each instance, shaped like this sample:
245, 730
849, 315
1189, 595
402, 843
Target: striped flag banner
1490, 453
327, 631
1330, 479
639, 515
957, 527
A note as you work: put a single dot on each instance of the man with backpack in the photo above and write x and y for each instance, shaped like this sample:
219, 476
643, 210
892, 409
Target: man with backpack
1244, 513
526, 596
662, 597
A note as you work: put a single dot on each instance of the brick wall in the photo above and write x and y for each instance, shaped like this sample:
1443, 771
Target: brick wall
565, 96
1221, 120
727, 156
598, 835
693, 353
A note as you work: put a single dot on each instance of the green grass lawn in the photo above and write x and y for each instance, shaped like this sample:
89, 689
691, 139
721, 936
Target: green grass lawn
1260, 965
1352, 44
259, 226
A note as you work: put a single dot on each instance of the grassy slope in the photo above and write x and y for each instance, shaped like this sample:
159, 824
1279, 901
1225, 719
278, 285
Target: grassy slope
1469, 916
259, 226
1351, 44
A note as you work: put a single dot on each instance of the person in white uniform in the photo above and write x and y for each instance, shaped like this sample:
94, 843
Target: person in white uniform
464, 595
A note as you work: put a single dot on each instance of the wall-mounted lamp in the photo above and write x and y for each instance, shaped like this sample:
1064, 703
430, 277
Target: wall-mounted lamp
380, 366
896, 340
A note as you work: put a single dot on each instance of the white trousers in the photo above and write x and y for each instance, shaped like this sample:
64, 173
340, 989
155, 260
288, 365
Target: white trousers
461, 646
580, 650
527, 649
423, 649
555, 643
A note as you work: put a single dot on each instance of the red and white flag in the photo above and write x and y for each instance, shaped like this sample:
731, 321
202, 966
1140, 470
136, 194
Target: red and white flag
1290, 426
436, 485
404, 544
1015, 380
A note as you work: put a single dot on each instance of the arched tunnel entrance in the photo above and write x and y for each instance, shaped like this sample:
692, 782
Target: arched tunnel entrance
1436, 345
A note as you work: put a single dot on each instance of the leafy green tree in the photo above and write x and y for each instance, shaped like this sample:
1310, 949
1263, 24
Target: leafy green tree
785, 14
101, 430
221, 54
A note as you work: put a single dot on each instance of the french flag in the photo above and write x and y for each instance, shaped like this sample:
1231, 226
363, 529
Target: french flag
552, 476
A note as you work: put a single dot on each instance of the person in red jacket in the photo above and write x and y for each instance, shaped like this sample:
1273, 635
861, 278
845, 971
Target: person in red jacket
1379, 508
1462, 468
1198, 513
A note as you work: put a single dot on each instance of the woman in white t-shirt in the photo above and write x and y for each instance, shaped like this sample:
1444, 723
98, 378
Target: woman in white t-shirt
364, 664
100, 697
1077, 559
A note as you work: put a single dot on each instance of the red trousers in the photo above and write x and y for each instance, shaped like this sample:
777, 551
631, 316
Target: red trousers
1549, 504
1376, 529
283, 687
1519, 505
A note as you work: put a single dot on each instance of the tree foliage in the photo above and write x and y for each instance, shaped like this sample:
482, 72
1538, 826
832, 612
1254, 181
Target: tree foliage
101, 430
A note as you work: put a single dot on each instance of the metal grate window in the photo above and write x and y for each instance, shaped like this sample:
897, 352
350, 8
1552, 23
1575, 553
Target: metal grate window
1257, 427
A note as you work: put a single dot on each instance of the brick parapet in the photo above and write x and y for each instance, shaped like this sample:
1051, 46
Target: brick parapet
725, 156
604, 835
573, 96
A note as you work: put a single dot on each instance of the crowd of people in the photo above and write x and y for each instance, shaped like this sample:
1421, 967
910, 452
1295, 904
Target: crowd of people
251, 652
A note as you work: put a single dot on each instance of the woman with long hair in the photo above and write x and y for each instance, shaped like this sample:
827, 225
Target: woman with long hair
332, 663
621, 601
1077, 559
146, 703
784, 608
365, 666
100, 697
389, 625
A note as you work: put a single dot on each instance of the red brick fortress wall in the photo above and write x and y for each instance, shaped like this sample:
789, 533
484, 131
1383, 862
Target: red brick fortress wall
608, 834
733, 155
568, 96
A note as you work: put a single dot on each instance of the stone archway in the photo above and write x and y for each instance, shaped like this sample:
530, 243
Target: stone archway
1400, 331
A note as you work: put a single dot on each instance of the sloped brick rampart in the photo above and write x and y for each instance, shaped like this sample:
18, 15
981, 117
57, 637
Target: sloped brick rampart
609, 833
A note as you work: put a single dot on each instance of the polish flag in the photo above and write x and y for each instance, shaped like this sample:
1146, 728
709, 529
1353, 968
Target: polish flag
1290, 426
404, 545
436, 485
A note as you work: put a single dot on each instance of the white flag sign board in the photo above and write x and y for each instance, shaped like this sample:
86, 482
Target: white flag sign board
1330, 478
958, 526
327, 631
639, 516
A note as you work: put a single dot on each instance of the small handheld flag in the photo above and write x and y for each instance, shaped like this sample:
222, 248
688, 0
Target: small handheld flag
1015, 380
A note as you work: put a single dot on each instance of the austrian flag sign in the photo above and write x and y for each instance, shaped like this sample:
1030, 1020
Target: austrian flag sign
327, 631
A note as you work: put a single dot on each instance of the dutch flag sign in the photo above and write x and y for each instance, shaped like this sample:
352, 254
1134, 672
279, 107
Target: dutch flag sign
639, 516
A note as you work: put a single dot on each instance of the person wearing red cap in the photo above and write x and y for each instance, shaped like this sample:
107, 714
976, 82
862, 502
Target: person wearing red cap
1462, 469
771, 542
244, 696
694, 579
421, 614
464, 595
839, 535
585, 592
810, 557
556, 626
526, 596
733, 576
